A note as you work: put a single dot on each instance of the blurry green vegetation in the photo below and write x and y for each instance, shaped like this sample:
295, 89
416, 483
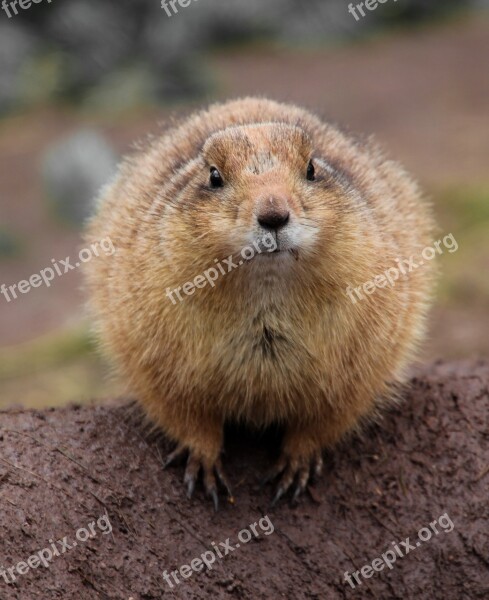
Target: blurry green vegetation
40, 78
44, 353
465, 207
10, 245
465, 213
54, 370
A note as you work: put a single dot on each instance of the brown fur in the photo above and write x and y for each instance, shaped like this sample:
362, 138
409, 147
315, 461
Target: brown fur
276, 339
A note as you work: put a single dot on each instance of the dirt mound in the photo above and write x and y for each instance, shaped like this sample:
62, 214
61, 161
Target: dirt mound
88, 513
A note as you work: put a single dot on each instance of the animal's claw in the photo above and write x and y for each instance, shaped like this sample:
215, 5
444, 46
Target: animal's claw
212, 473
177, 454
299, 471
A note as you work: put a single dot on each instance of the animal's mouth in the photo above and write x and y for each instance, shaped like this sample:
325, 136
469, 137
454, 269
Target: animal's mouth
279, 252
276, 246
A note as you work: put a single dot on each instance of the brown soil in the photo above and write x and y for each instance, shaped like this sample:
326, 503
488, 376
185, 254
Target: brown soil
62, 469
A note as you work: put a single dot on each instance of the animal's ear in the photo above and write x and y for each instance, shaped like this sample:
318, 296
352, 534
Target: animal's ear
214, 151
330, 173
324, 165
227, 149
301, 140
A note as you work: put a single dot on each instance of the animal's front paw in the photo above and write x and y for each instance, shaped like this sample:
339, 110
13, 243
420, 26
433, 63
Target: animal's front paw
212, 473
294, 471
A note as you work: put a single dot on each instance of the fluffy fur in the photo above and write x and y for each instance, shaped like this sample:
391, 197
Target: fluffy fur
277, 339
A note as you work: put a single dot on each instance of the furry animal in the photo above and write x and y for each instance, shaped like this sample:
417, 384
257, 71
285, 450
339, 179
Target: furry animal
278, 339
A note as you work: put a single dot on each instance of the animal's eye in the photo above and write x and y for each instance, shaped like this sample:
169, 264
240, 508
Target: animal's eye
311, 171
216, 178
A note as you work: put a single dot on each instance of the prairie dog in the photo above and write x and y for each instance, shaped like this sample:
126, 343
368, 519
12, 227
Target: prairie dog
276, 339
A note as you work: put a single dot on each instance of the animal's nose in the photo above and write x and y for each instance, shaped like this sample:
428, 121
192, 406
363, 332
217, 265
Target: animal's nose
273, 212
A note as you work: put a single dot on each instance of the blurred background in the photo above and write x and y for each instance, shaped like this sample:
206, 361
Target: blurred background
82, 80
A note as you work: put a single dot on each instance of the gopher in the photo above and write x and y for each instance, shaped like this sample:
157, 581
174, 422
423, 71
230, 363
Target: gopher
279, 337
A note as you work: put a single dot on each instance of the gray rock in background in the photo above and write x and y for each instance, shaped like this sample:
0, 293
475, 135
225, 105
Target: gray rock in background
94, 36
172, 48
235, 20
17, 47
317, 21
73, 172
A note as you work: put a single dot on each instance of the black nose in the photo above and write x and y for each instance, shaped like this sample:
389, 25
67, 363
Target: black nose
273, 219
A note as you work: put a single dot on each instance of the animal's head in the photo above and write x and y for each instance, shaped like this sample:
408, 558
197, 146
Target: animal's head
262, 188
